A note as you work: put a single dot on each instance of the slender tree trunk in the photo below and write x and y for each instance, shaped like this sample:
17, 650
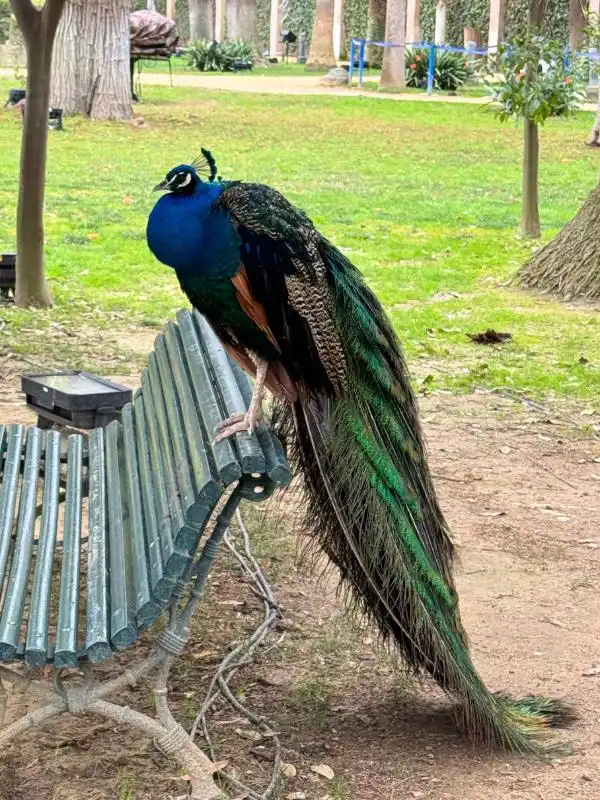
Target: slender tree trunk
241, 20
91, 70
376, 30
39, 28
440, 22
577, 14
393, 72
321, 47
536, 12
201, 20
530, 216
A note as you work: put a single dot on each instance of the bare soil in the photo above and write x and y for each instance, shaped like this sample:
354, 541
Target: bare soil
520, 489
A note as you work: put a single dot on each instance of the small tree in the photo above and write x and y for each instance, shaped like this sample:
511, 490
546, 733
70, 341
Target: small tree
38, 26
535, 84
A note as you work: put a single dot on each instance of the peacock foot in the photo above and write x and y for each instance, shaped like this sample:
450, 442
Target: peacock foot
237, 423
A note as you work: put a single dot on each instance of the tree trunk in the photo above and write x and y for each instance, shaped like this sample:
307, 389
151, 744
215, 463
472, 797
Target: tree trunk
241, 20
536, 12
530, 216
594, 140
321, 47
375, 31
577, 14
569, 265
440, 22
393, 72
201, 20
91, 69
39, 28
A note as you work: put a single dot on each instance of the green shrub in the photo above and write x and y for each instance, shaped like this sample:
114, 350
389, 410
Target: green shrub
451, 69
209, 56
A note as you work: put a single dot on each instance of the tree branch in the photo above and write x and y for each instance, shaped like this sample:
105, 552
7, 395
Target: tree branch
51, 13
28, 16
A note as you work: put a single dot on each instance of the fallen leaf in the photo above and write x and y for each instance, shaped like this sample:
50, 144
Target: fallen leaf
489, 337
324, 770
295, 796
93, 236
289, 770
254, 736
127, 200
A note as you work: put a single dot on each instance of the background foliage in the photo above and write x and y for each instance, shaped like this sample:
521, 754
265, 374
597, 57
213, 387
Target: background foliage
4, 20
476, 14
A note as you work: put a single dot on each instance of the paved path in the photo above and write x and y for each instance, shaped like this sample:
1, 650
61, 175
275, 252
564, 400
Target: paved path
292, 85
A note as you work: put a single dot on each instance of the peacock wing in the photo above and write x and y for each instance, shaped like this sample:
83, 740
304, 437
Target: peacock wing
284, 282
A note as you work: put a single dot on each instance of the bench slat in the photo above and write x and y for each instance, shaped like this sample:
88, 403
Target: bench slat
16, 590
8, 494
161, 584
207, 490
97, 642
146, 610
251, 457
36, 648
65, 653
180, 463
207, 401
123, 630
170, 516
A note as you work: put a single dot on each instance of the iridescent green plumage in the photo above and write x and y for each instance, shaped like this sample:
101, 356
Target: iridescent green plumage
351, 420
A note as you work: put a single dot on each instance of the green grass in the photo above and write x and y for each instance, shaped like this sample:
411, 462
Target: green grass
425, 198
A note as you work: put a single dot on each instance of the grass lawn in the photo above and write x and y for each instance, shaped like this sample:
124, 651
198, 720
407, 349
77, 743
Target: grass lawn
423, 197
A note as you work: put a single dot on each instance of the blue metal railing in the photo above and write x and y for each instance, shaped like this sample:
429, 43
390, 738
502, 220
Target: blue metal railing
359, 47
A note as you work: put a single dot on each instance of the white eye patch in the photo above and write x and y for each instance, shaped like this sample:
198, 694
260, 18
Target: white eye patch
186, 180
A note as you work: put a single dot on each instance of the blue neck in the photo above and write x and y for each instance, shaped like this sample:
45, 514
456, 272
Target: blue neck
185, 233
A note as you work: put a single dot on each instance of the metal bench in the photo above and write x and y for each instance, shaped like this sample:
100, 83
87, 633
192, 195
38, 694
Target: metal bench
133, 542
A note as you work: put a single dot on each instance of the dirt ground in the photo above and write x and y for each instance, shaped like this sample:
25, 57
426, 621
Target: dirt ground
520, 487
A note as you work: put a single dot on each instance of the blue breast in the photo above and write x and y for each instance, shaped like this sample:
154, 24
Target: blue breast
186, 234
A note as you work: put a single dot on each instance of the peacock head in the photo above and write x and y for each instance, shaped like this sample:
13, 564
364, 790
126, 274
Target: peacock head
185, 178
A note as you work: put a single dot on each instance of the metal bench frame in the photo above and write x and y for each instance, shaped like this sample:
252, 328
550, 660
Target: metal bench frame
79, 691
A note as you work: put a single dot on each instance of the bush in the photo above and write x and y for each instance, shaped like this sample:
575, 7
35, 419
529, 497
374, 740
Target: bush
451, 69
217, 57
4, 20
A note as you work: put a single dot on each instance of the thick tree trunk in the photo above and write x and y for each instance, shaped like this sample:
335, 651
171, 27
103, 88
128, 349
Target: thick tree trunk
393, 73
321, 46
376, 30
91, 69
530, 215
594, 140
241, 20
569, 265
38, 28
201, 19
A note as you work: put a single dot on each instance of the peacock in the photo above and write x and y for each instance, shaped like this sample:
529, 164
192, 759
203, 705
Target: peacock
297, 314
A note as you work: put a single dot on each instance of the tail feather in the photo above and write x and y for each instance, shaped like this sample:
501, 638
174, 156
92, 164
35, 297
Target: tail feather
374, 511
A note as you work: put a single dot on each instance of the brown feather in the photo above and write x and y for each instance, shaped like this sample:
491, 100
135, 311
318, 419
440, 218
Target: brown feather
250, 306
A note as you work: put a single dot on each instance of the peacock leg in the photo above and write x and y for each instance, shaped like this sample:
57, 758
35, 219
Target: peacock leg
239, 423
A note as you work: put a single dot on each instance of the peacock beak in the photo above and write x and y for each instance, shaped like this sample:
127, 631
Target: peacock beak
161, 187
